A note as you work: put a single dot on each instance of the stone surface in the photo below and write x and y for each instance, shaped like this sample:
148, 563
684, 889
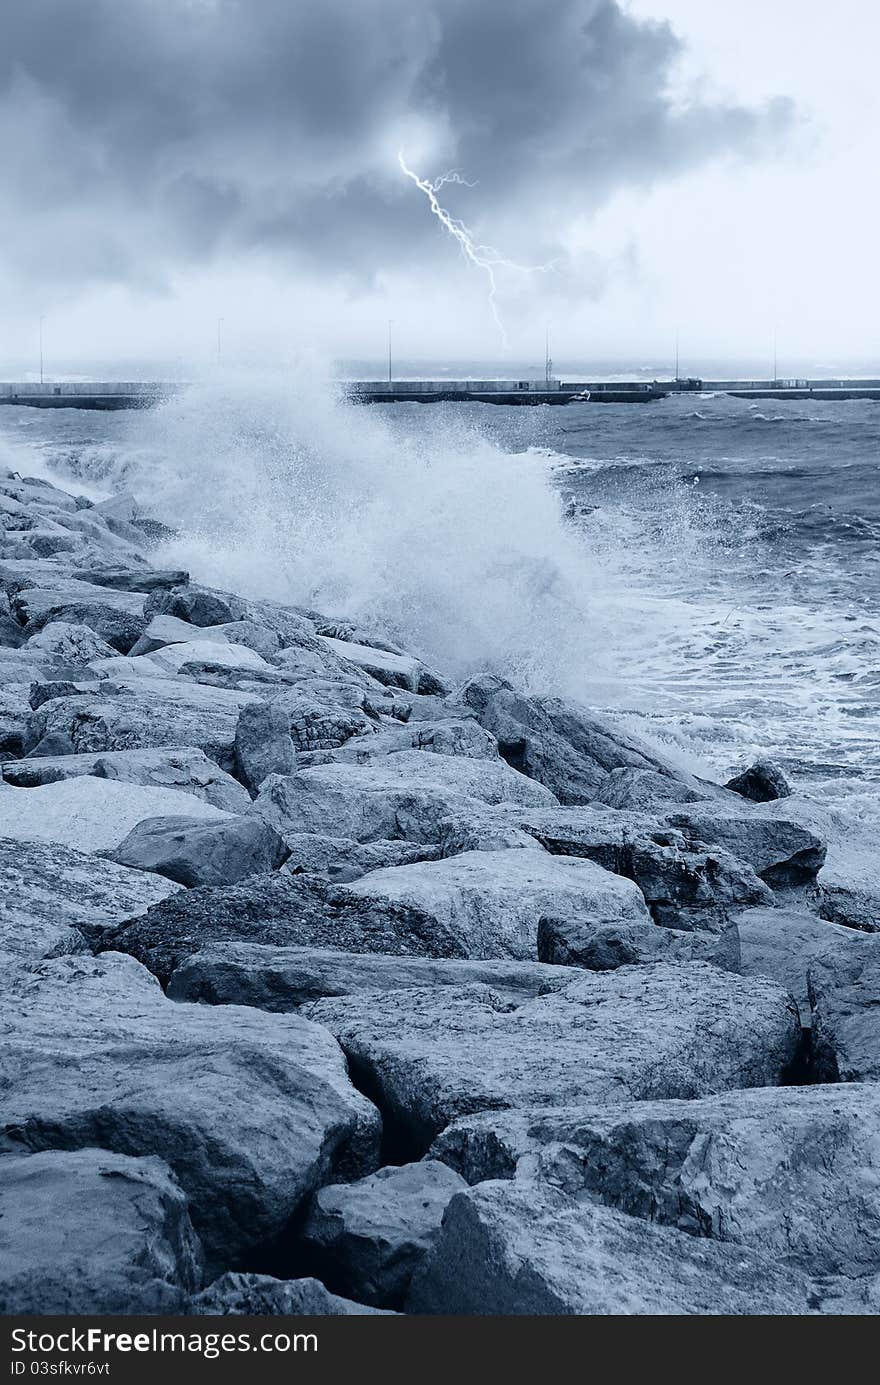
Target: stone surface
524, 1248
258, 1295
572, 942
251, 1111
396, 670
781, 943
428, 1055
844, 989
147, 713
404, 795
791, 1172
367, 1238
761, 782
685, 885
48, 891
645, 790
76, 645
491, 902
218, 852
464, 738
184, 769
173, 657
780, 850
90, 1232
342, 859
283, 978
91, 814
262, 744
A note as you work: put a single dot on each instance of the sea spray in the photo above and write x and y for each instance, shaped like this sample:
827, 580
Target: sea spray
431, 535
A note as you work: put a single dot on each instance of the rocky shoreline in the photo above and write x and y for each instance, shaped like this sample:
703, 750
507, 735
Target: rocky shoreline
332, 988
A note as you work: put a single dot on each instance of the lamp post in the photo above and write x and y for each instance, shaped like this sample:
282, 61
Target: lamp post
42, 320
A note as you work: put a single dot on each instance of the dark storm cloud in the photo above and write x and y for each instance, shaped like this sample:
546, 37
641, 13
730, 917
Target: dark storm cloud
140, 137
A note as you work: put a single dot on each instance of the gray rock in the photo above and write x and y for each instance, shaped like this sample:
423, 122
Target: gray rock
490, 902
844, 988
481, 828
393, 669
761, 782
341, 859
561, 745
258, 1295
114, 616
145, 714
404, 795
781, 943
262, 744
76, 645
218, 852
429, 1055
90, 814
196, 605
278, 910
90, 1232
646, 790
163, 630
321, 722
283, 978
847, 888
186, 770
48, 892
447, 737
251, 1111
685, 885
15, 713
525, 1248
778, 849
572, 942
132, 579
367, 1238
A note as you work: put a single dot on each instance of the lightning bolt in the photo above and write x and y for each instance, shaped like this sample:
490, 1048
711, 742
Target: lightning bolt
484, 257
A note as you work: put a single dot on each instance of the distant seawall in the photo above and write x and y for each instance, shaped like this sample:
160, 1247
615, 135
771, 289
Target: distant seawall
142, 394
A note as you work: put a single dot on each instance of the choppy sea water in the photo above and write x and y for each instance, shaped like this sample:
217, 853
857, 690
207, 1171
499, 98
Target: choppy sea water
707, 568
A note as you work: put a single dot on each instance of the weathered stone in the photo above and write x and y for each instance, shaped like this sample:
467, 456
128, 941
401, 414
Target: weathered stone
465, 738
196, 605
570, 941
341, 859
685, 887
481, 828
251, 1111
114, 616
186, 770
561, 745
283, 978
163, 630
15, 713
404, 795
76, 645
781, 943
429, 1055
132, 579
645, 790
262, 744
367, 1238
778, 849
321, 723
524, 1248
395, 670
218, 852
844, 988
491, 902
172, 658
258, 1295
48, 891
91, 1232
90, 814
145, 714
761, 782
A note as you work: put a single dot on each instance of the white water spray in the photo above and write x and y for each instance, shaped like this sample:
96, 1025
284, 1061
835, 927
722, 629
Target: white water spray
484, 257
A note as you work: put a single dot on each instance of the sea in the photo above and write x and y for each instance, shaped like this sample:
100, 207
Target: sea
705, 569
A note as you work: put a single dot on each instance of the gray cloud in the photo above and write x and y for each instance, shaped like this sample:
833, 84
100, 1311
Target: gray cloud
138, 138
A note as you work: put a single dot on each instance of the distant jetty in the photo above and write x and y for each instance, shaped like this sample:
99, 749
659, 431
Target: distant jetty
141, 394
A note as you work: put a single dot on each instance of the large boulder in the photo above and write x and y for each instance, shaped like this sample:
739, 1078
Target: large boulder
172, 658
393, 669
259, 1295
781, 943
279, 910
491, 902
185, 769
283, 978
778, 849
48, 892
574, 942
367, 1238
251, 1111
262, 744
685, 885
146, 713
844, 988
218, 852
90, 1232
91, 814
526, 1249
558, 743
75, 645
404, 795
761, 782
428, 1055
342, 859
117, 617
791, 1172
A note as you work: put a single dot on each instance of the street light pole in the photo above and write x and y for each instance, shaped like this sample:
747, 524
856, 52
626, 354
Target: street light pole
42, 320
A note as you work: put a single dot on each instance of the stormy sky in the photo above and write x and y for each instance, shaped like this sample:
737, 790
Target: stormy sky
672, 164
